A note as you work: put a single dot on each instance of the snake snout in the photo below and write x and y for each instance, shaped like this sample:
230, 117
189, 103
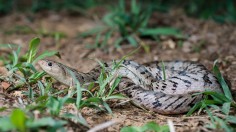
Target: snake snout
41, 62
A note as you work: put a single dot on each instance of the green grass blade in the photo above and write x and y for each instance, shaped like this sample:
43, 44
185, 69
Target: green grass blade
117, 96
163, 69
46, 54
78, 118
29, 66
217, 96
194, 108
210, 102
226, 108
33, 48
46, 122
132, 41
41, 88
79, 95
15, 55
97, 39
31, 93
222, 81
231, 119
159, 31
107, 107
34, 44
18, 118
222, 124
134, 7
106, 38
36, 76
114, 85
15, 58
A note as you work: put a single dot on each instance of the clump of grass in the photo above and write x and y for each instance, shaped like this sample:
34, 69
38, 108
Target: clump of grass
22, 122
22, 73
130, 24
21, 68
218, 101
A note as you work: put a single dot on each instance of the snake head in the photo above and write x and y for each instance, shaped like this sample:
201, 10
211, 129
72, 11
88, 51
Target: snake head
51, 67
57, 71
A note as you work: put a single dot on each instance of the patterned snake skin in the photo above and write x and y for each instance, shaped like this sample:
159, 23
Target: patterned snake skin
145, 84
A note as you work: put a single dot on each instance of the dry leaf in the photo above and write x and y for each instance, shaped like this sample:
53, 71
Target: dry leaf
3, 71
5, 85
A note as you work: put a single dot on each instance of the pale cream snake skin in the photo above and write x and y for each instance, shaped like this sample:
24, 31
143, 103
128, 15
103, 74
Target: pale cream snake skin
145, 83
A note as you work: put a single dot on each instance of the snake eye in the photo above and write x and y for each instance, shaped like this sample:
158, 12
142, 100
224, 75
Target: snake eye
49, 63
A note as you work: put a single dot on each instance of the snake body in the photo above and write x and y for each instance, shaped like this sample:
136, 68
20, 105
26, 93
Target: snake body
166, 87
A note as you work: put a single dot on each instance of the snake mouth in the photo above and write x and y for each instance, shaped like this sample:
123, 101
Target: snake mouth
41, 63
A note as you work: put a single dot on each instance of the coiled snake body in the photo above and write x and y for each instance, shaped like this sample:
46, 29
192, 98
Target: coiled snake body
145, 84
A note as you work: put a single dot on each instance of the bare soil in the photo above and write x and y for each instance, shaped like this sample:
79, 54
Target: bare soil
207, 42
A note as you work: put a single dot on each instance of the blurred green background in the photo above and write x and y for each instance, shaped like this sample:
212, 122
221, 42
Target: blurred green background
218, 10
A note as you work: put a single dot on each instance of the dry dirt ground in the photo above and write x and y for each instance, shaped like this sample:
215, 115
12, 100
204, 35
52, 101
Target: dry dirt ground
207, 42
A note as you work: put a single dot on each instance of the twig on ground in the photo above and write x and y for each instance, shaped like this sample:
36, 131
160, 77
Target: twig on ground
171, 125
102, 126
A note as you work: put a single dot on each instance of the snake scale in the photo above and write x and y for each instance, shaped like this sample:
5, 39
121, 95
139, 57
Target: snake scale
146, 85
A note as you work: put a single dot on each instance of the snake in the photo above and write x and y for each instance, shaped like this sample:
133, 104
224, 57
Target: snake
166, 87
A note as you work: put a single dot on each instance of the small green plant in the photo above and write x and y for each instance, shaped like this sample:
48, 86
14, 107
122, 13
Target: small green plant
18, 120
103, 93
25, 66
130, 24
107, 93
22, 73
213, 100
150, 126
